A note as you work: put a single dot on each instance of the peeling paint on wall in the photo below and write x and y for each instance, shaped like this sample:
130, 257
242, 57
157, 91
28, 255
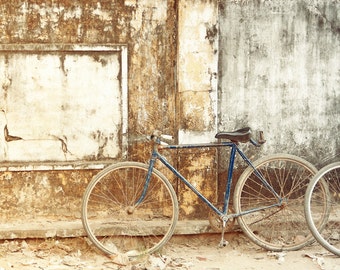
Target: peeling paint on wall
197, 69
200, 169
148, 28
197, 46
61, 106
197, 99
33, 195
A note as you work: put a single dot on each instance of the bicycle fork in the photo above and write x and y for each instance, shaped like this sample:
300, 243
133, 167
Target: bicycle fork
147, 181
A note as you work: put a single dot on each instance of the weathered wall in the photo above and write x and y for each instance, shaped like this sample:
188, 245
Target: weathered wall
49, 109
194, 67
42, 195
148, 29
277, 67
279, 72
197, 99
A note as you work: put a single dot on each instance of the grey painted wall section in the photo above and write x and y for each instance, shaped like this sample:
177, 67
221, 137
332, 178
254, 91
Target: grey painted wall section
279, 71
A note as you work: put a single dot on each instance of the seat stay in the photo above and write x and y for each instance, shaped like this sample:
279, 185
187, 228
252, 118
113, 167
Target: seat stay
260, 176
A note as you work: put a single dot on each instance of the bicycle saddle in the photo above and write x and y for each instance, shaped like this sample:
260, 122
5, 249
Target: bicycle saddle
241, 135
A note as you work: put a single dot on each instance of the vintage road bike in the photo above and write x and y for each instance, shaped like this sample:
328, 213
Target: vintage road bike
131, 208
322, 207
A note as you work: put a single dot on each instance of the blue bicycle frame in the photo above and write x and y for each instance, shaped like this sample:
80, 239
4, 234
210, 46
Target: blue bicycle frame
234, 149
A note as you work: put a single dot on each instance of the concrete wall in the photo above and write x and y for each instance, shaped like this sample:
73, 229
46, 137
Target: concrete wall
279, 72
194, 67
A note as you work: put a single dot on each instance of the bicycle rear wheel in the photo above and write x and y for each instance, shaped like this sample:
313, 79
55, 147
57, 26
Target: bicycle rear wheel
281, 227
327, 235
113, 220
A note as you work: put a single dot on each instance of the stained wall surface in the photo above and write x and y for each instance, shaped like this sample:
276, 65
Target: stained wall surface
40, 175
64, 103
193, 68
279, 72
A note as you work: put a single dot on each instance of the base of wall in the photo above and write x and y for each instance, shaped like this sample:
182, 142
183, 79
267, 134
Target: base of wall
74, 228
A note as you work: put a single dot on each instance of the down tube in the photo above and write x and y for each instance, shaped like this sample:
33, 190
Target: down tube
188, 184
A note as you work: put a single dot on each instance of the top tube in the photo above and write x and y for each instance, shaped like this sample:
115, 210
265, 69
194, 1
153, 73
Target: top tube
234, 138
197, 145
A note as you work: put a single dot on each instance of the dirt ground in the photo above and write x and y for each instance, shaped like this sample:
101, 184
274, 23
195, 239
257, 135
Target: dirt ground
185, 252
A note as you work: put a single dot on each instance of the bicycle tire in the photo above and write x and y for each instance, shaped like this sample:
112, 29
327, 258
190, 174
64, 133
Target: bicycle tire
327, 236
113, 222
277, 228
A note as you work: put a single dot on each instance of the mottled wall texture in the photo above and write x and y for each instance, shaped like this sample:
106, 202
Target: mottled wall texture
193, 68
50, 189
280, 72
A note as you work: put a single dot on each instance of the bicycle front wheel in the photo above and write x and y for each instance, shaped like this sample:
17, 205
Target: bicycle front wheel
317, 200
119, 220
280, 224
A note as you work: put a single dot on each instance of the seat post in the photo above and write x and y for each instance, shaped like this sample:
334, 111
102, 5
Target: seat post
229, 179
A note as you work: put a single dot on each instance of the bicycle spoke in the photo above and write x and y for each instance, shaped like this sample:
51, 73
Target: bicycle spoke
113, 221
282, 227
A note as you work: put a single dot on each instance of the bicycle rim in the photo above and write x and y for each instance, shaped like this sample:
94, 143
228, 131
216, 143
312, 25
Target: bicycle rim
328, 234
281, 227
113, 221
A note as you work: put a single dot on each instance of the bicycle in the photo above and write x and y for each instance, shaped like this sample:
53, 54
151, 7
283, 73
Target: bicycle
322, 203
131, 208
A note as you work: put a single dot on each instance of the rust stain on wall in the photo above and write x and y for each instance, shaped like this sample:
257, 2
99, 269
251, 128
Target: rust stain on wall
149, 29
200, 169
64, 21
53, 194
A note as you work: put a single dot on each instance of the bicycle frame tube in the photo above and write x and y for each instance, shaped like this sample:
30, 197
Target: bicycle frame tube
260, 176
229, 179
188, 184
148, 176
156, 155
